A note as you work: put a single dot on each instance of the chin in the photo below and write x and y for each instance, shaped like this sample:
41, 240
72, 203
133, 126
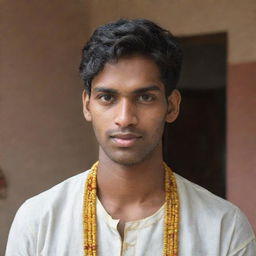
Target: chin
126, 162
127, 159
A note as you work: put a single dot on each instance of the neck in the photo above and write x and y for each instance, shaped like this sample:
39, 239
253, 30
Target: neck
136, 184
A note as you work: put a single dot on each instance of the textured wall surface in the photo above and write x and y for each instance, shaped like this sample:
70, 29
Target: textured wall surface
241, 133
183, 17
44, 138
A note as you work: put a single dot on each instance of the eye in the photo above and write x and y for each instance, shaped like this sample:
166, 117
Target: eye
106, 98
146, 98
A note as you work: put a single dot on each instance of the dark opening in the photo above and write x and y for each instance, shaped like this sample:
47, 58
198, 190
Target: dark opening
195, 144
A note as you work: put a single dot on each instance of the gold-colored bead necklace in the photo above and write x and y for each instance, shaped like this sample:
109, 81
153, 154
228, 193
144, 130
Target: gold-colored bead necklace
171, 217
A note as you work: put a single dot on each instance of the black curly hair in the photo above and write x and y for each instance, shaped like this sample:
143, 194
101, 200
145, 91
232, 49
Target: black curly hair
126, 37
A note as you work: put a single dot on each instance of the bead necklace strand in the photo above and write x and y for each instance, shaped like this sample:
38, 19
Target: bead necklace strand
171, 217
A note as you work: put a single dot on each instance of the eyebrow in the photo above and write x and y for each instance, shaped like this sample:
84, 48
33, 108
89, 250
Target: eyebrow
106, 90
148, 88
137, 91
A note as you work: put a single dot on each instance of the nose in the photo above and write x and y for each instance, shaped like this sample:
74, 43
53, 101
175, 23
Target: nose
126, 114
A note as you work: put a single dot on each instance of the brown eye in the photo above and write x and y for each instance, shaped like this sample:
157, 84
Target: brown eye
145, 98
106, 98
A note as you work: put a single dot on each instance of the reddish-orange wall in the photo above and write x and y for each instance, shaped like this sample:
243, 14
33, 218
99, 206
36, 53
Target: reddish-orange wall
241, 138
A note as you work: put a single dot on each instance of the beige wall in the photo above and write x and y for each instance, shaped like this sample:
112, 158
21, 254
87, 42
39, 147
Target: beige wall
189, 17
43, 136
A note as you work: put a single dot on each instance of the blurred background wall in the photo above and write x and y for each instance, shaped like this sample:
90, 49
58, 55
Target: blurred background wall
43, 136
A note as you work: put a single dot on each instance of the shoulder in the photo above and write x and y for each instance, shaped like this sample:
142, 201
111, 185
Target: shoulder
66, 195
58, 193
199, 208
45, 212
190, 192
53, 197
199, 201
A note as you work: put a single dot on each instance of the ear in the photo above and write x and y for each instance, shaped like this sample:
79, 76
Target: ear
173, 110
86, 109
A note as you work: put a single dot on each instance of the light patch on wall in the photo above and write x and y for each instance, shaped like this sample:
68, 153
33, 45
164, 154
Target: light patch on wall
3, 185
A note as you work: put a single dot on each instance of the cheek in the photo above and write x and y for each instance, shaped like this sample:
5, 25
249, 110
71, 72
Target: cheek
155, 124
154, 118
100, 122
97, 114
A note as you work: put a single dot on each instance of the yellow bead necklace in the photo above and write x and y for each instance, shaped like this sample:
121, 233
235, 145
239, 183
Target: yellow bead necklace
171, 217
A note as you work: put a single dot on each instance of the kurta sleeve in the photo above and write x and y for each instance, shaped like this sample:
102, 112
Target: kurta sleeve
243, 241
22, 237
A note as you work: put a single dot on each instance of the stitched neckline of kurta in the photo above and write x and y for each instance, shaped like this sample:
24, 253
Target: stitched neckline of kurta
130, 225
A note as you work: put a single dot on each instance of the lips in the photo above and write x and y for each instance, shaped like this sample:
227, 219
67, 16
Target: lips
125, 139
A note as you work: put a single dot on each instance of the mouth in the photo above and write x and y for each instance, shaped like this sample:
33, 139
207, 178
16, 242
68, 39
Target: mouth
125, 139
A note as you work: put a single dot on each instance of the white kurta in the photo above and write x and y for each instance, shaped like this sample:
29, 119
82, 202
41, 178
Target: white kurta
50, 224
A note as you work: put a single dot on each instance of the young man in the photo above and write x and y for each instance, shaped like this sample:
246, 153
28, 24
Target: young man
130, 202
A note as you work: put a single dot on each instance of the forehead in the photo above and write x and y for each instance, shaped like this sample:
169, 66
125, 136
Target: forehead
129, 73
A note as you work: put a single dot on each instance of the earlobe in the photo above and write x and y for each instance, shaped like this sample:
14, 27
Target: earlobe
174, 100
86, 109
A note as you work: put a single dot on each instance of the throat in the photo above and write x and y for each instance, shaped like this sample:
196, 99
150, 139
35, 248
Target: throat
131, 194
131, 212
119, 186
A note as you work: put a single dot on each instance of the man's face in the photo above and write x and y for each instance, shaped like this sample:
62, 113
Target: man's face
128, 109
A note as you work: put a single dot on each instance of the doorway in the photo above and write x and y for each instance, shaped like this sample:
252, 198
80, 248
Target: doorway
195, 144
